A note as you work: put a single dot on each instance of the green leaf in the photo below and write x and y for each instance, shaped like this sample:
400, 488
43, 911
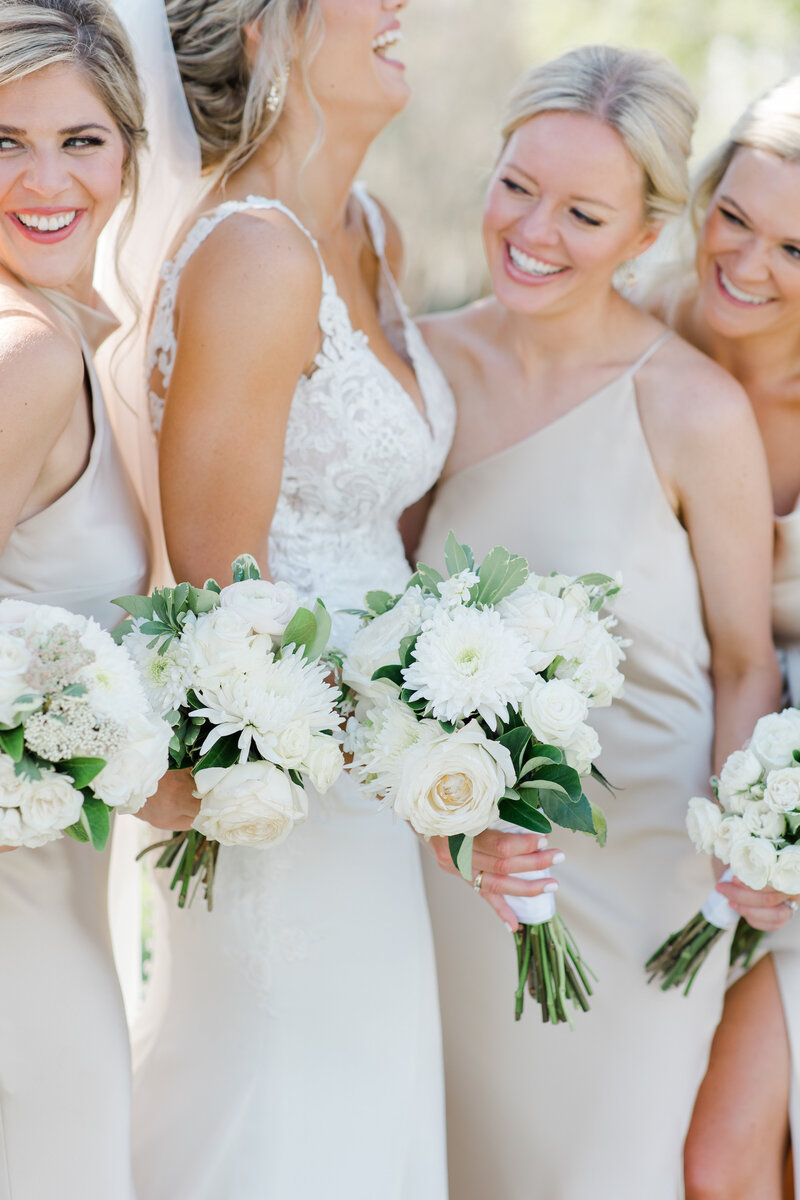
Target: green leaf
28, 767
379, 602
121, 630
564, 811
316, 648
77, 832
561, 776
96, 821
407, 645
461, 854
596, 580
544, 756
224, 753
139, 607
180, 596
516, 741
75, 689
600, 823
521, 813
160, 608
428, 578
12, 741
82, 770
244, 566
499, 575
210, 585
455, 555
300, 631
600, 778
392, 672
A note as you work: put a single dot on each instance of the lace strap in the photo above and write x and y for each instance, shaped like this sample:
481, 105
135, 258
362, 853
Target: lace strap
374, 218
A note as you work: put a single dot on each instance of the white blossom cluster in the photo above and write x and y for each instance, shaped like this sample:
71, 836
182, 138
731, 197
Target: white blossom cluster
754, 827
73, 693
227, 668
542, 653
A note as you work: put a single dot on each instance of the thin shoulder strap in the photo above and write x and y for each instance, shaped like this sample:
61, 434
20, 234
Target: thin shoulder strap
650, 351
374, 218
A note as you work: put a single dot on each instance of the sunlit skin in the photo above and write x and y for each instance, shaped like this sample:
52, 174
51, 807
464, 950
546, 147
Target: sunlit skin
60, 153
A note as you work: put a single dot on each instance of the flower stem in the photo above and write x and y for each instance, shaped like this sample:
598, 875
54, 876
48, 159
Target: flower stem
549, 961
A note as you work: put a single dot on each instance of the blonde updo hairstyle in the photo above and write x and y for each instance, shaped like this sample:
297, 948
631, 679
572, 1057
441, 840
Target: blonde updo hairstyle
85, 34
235, 93
771, 123
638, 94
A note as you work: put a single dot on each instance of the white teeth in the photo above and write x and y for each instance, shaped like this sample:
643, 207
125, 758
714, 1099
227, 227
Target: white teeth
532, 266
46, 224
387, 39
738, 294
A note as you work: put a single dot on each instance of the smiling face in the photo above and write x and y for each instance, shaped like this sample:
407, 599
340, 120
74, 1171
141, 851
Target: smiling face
565, 208
356, 66
61, 165
748, 258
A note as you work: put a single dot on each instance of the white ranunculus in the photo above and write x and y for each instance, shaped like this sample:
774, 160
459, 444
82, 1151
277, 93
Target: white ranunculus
222, 641
11, 784
324, 763
752, 861
547, 622
51, 803
785, 875
266, 607
764, 822
248, 804
742, 772
453, 783
782, 792
775, 738
555, 711
12, 831
377, 644
731, 830
14, 660
702, 822
132, 774
293, 744
583, 749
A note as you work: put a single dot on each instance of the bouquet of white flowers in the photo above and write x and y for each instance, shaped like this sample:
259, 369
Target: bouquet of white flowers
469, 703
755, 829
78, 737
239, 674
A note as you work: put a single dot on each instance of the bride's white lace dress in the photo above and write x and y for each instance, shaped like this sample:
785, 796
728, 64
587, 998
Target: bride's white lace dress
293, 1044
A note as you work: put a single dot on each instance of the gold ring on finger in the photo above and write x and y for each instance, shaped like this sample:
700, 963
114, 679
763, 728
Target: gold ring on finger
477, 881
792, 904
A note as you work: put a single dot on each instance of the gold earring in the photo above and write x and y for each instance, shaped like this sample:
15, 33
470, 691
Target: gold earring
276, 92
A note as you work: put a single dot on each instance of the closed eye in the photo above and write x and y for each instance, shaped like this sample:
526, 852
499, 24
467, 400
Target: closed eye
732, 218
792, 250
514, 187
584, 218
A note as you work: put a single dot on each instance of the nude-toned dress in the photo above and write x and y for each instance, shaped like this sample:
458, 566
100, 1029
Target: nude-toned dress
785, 944
64, 1052
599, 1113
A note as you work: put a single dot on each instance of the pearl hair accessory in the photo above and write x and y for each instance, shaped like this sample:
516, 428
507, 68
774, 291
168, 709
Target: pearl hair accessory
276, 92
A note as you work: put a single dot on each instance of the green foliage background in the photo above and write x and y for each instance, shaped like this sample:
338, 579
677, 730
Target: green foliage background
430, 167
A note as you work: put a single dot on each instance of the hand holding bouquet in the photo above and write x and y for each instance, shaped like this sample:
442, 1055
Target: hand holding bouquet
78, 737
239, 674
470, 701
754, 829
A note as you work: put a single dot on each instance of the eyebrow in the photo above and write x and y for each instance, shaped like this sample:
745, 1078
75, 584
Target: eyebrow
13, 131
580, 199
729, 200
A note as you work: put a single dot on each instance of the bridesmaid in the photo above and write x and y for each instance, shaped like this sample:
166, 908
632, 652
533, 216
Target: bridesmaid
741, 306
71, 534
590, 438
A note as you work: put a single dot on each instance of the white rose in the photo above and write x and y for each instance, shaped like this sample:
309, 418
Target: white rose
731, 830
453, 783
785, 875
762, 822
377, 644
753, 861
248, 804
11, 784
554, 711
742, 772
702, 822
550, 625
782, 792
583, 749
134, 772
12, 832
50, 803
293, 744
266, 607
222, 639
324, 763
14, 660
775, 738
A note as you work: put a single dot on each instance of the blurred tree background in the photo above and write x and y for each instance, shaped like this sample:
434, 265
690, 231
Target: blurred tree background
431, 166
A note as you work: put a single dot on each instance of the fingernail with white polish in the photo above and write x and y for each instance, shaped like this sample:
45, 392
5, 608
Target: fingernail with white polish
558, 858
551, 887
543, 843
508, 927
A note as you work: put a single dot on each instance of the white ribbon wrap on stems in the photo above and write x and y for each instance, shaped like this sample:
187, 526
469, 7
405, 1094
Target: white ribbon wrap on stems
716, 910
529, 910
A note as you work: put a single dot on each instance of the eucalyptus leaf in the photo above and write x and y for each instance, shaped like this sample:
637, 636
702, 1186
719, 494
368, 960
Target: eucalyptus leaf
595, 580
406, 649
28, 767
75, 689
121, 630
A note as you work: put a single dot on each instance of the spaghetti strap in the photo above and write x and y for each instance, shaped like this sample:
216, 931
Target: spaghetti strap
650, 351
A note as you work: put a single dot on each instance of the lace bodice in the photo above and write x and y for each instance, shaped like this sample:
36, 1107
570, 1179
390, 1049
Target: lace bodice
358, 451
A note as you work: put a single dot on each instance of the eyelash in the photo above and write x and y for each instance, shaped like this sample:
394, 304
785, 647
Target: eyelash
575, 212
78, 142
792, 251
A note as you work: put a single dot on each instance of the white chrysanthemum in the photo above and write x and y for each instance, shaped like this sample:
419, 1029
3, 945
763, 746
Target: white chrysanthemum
166, 677
470, 661
114, 687
387, 729
259, 705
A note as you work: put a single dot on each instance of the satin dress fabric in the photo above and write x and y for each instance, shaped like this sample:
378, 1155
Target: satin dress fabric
65, 1076
601, 1111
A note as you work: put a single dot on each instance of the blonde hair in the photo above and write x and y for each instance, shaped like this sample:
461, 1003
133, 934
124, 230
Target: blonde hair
86, 34
638, 94
771, 123
235, 99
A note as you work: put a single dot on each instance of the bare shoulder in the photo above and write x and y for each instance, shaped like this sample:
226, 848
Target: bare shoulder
40, 358
688, 391
460, 340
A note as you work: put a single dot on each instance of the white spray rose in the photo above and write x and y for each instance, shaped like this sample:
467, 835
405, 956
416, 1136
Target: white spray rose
453, 783
555, 711
222, 641
785, 875
782, 792
775, 738
763, 822
248, 804
702, 822
132, 774
595, 670
550, 625
266, 607
753, 861
731, 830
742, 771
293, 744
324, 763
583, 749
51, 803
